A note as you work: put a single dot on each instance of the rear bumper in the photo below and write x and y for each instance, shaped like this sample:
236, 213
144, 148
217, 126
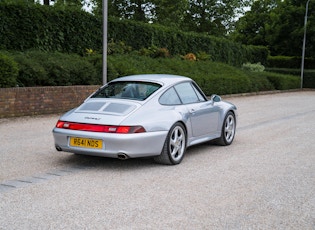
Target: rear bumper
133, 145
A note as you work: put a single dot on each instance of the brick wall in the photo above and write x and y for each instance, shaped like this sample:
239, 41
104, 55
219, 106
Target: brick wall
41, 100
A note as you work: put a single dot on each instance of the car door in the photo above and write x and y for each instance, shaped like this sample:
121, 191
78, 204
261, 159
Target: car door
204, 115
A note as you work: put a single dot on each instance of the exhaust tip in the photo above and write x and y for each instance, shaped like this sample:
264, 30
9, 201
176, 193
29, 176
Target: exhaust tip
58, 148
122, 156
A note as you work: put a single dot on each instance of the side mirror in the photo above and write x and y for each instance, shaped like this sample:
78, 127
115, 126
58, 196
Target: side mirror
216, 98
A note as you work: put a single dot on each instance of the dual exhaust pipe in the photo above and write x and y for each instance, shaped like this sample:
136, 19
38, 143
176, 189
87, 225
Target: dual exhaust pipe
120, 156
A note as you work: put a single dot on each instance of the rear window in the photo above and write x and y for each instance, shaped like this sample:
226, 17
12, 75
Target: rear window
127, 90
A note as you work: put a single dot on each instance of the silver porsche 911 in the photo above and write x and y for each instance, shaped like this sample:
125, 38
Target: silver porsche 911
154, 115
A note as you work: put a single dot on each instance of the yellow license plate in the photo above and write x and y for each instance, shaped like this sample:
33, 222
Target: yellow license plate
86, 143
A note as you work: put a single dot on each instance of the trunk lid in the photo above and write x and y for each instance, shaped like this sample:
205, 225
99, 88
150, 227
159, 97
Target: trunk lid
102, 111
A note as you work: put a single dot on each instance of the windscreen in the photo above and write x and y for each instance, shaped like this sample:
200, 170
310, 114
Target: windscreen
127, 90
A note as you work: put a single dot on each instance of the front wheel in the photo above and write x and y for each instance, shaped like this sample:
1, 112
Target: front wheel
228, 129
174, 147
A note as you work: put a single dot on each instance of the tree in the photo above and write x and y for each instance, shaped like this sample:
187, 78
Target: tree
287, 29
69, 3
279, 25
251, 29
215, 17
212, 16
169, 12
139, 10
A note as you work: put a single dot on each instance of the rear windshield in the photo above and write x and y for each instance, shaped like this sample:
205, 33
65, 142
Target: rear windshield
127, 90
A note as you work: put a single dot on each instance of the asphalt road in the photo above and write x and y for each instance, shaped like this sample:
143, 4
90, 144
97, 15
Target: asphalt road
264, 180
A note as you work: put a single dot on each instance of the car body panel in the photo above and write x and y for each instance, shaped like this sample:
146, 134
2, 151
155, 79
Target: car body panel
202, 120
133, 145
102, 111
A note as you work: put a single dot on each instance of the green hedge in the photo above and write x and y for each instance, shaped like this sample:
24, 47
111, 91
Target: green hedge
289, 62
283, 82
8, 71
139, 35
33, 26
36, 68
48, 69
213, 77
308, 78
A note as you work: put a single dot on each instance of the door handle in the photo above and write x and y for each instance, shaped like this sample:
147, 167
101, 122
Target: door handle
192, 111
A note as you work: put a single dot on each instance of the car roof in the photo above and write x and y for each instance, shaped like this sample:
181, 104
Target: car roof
165, 79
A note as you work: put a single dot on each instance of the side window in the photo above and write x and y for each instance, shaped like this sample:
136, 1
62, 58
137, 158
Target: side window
186, 93
170, 97
199, 94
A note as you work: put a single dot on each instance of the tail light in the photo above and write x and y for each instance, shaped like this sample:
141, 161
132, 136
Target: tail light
99, 128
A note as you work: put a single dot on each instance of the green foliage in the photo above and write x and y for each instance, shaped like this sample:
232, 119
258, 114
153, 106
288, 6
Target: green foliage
36, 68
203, 56
154, 52
47, 69
290, 62
309, 79
207, 16
278, 25
260, 82
257, 67
282, 82
212, 77
33, 26
118, 48
69, 30
8, 71
169, 12
292, 66
180, 43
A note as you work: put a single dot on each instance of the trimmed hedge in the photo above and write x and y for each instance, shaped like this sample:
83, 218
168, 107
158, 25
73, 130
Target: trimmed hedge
139, 35
8, 71
38, 68
290, 62
308, 78
33, 26
212, 77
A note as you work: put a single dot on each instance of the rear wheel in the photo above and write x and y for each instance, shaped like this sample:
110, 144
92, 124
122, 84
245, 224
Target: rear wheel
174, 147
228, 129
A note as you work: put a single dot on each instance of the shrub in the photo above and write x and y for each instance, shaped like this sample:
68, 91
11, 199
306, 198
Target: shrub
47, 69
190, 57
31, 73
118, 48
258, 67
259, 82
8, 71
155, 52
41, 68
203, 56
282, 82
290, 62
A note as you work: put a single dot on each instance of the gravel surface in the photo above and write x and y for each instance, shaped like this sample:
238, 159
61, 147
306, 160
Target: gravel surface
264, 180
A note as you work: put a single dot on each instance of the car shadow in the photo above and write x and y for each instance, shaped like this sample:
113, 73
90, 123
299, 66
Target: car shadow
70, 160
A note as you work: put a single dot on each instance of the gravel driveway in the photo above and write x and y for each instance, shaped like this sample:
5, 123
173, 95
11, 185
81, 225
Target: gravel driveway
264, 180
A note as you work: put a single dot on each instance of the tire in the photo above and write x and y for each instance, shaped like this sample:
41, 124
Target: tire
174, 147
228, 130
